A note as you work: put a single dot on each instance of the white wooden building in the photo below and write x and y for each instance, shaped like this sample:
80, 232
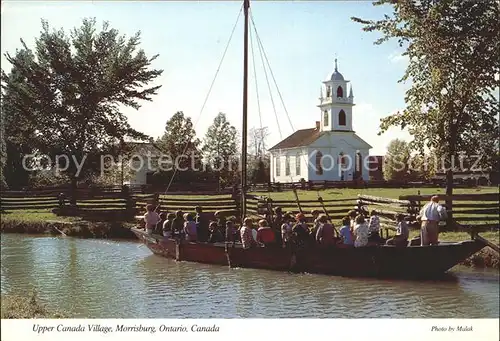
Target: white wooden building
329, 151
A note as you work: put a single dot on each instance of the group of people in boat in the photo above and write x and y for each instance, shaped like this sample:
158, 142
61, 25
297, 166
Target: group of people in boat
284, 229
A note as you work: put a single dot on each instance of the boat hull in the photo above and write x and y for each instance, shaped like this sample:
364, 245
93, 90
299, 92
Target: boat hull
386, 261
339, 260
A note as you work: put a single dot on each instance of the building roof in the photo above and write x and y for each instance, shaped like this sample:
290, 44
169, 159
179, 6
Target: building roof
305, 137
300, 138
336, 75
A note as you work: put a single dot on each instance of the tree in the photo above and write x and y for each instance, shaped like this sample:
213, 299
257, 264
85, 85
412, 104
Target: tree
220, 149
257, 141
397, 160
453, 50
3, 152
258, 169
18, 129
181, 147
71, 91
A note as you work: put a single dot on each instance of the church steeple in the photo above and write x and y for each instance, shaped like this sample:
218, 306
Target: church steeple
336, 107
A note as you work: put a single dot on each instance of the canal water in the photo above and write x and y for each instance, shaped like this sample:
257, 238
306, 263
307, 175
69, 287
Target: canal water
122, 279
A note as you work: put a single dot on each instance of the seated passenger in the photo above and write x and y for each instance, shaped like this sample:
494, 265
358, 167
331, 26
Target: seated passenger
190, 228
221, 221
230, 232
167, 225
159, 225
151, 218
300, 232
286, 229
374, 228
201, 225
352, 217
325, 234
345, 231
276, 223
214, 235
178, 225
315, 214
402, 233
360, 232
246, 234
265, 234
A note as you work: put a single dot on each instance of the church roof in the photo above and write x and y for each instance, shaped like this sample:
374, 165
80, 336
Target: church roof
300, 138
305, 137
337, 76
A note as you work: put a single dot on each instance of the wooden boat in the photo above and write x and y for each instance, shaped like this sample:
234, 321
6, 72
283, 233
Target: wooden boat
339, 260
378, 261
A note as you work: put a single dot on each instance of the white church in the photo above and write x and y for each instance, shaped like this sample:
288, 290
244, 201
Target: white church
331, 150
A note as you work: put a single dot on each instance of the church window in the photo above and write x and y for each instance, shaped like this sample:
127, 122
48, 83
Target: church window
340, 92
341, 159
287, 165
325, 118
342, 118
277, 165
319, 167
328, 91
297, 164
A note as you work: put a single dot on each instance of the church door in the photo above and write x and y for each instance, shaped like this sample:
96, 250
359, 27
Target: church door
358, 171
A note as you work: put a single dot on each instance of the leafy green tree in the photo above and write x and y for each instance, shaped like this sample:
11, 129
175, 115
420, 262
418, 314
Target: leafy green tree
453, 50
71, 90
181, 147
18, 130
258, 161
397, 159
3, 152
220, 149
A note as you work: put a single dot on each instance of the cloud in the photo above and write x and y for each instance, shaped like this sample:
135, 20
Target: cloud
397, 57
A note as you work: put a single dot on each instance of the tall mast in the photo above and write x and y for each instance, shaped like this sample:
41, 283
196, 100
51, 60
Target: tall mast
246, 6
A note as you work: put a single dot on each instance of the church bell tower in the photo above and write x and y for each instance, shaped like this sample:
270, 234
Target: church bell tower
336, 105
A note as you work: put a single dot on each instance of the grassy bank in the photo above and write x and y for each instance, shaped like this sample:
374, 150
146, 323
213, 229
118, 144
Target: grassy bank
46, 224
27, 307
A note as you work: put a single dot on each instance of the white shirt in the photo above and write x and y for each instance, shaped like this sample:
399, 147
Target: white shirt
374, 225
151, 219
433, 211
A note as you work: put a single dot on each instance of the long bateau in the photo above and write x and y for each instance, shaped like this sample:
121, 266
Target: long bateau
380, 261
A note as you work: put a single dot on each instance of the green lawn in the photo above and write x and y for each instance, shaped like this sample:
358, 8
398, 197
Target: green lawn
393, 193
35, 216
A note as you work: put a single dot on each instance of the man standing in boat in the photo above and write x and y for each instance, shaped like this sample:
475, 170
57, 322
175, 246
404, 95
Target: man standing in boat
430, 215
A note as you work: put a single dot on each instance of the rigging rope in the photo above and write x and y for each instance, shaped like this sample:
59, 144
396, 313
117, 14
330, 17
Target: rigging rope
271, 71
261, 47
208, 94
258, 103
256, 85
267, 78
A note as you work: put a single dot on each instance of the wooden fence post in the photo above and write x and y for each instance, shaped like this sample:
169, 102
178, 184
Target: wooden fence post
297, 199
270, 211
303, 184
129, 201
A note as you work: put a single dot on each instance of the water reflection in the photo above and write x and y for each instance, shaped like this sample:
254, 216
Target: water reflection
96, 278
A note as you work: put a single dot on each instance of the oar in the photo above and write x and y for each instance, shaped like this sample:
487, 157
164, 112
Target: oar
320, 199
61, 232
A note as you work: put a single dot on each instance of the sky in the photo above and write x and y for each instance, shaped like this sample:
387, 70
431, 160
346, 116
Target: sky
301, 41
